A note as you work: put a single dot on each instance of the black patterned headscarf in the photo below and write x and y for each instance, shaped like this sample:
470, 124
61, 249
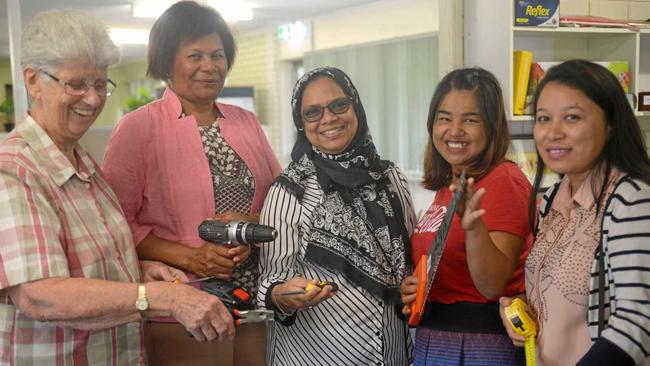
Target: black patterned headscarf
358, 228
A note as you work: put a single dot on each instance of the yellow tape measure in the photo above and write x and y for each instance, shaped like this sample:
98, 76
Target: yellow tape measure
524, 324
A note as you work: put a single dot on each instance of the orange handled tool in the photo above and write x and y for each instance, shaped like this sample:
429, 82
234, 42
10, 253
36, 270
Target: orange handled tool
417, 306
427, 266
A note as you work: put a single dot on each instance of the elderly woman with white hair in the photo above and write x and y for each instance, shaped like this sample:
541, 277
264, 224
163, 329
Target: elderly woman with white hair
72, 290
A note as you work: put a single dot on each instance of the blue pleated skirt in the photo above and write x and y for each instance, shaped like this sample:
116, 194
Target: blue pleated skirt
439, 348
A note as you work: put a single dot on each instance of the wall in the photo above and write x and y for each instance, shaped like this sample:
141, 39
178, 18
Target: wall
616, 9
255, 65
121, 74
375, 22
5, 77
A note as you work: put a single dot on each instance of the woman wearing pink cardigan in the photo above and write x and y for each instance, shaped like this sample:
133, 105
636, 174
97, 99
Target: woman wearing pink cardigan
184, 158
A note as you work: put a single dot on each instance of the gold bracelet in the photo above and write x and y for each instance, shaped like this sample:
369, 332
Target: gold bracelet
278, 306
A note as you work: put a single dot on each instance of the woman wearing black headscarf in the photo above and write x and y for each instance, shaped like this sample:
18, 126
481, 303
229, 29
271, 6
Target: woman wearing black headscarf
344, 215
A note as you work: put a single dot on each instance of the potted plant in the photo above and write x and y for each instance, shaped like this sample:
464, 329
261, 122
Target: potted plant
137, 101
7, 108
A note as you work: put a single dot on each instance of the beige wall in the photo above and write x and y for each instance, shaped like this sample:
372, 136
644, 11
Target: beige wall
121, 74
5, 77
616, 9
375, 22
255, 65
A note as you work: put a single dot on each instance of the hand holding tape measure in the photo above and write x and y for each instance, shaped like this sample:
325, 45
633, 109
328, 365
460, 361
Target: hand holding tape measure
300, 293
521, 321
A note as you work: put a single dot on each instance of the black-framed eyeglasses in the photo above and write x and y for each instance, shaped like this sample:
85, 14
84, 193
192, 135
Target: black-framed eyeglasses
103, 88
338, 106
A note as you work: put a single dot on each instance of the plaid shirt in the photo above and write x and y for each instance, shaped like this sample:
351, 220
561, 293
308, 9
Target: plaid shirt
56, 221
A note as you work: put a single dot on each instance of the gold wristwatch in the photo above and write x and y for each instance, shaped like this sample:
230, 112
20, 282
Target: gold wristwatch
141, 303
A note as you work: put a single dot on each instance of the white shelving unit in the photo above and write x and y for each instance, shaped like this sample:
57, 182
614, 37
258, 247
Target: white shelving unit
491, 37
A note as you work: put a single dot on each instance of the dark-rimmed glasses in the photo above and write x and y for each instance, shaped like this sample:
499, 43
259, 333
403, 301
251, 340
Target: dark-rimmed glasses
338, 106
78, 88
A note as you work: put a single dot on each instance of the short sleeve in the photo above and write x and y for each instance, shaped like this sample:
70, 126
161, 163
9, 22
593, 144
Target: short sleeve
30, 229
506, 205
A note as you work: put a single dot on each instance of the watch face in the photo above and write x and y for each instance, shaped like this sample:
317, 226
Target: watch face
141, 304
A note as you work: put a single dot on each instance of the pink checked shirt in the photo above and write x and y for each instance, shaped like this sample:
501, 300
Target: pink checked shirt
56, 221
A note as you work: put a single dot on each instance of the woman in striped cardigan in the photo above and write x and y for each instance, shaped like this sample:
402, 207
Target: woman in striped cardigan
588, 274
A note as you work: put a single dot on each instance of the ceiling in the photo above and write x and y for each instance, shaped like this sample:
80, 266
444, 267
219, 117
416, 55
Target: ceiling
117, 14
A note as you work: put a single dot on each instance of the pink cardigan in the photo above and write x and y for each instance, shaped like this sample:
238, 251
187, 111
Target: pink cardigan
155, 163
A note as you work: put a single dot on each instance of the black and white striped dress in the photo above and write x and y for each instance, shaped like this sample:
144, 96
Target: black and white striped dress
352, 328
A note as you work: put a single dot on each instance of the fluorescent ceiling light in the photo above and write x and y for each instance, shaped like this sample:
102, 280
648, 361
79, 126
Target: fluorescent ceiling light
129, 36
230, 10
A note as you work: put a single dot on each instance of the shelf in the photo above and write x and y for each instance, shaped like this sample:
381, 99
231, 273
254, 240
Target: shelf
524, 118
586, 31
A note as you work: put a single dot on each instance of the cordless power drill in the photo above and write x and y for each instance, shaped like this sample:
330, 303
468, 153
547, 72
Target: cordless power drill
231, 234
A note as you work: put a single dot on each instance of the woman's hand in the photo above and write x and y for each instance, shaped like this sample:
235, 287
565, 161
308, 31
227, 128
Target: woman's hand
241, 253
236, 216
469, 208
158, 271
517, 340
408, 290
300, 301
213, 260
202, 314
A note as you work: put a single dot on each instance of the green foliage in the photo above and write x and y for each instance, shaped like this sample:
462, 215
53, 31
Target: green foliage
7, 108
137, 101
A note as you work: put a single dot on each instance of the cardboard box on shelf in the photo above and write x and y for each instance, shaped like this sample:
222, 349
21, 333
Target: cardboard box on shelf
537, 13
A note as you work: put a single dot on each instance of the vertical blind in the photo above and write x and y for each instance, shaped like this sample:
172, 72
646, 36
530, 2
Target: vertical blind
395, 80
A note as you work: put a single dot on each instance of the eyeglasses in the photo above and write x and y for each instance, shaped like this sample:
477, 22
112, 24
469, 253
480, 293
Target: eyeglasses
338, 106
103, 88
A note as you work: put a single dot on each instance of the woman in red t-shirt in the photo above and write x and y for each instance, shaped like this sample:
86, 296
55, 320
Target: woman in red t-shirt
489, 237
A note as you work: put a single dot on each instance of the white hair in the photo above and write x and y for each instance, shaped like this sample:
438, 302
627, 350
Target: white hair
55, 37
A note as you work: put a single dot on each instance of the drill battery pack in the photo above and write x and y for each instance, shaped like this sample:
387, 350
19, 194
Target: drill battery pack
233, 296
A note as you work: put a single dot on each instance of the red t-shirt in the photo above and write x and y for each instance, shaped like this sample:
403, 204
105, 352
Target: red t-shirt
506, 205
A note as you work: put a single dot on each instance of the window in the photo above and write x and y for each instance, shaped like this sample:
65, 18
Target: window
395, 80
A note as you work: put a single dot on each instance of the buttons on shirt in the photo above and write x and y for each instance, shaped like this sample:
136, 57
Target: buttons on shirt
381, 303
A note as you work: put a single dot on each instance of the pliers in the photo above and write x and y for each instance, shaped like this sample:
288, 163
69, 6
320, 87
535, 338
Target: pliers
251, 316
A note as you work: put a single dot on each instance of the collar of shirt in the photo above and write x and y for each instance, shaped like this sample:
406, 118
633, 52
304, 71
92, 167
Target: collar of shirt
51, 158
174, 107
584, 197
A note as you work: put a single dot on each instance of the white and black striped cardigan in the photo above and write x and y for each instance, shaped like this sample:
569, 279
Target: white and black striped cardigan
625, 239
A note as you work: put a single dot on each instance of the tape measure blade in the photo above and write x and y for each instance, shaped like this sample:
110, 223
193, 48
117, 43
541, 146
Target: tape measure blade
529, 347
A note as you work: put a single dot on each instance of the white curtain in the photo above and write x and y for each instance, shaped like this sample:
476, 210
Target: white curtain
395, 80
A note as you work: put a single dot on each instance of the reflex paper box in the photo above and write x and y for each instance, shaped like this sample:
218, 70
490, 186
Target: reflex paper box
537, 13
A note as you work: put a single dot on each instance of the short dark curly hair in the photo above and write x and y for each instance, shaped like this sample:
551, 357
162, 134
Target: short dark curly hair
181, 22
